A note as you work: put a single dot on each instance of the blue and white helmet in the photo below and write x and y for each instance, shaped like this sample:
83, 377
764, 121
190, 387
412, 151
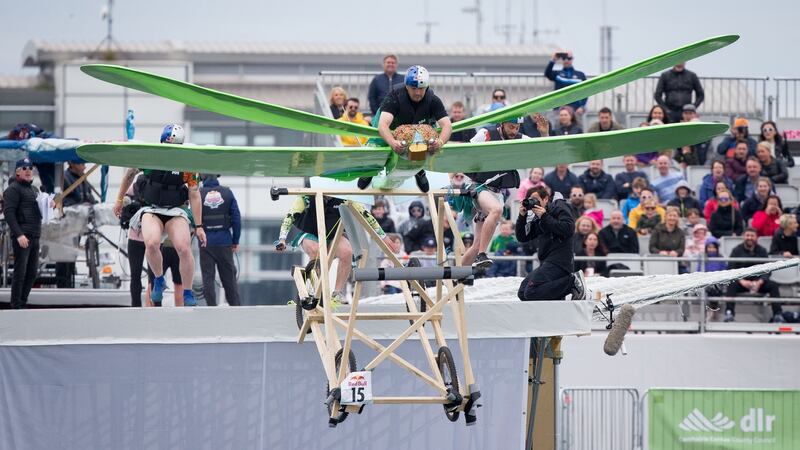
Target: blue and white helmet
173, 134
417, 77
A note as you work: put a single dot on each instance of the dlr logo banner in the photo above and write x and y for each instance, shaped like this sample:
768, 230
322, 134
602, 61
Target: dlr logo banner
756, 421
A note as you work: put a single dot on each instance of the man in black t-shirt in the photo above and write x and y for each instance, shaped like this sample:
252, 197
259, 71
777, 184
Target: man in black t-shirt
410, 105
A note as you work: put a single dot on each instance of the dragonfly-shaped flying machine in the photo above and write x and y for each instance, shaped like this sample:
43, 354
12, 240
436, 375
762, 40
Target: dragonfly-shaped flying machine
348, 389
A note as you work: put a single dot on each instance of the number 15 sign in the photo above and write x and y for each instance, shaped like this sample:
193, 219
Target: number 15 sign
357, 388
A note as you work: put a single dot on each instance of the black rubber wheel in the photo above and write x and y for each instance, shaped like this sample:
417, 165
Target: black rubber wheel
337, 364
310, 275
447, 368
92, 261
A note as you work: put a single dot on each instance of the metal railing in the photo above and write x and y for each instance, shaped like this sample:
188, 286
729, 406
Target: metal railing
725, 97
786, 98
600, 418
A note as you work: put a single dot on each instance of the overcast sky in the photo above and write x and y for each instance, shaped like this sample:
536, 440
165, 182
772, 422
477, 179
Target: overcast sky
769, 32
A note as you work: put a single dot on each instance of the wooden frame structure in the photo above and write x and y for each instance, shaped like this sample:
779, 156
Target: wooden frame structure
323, 322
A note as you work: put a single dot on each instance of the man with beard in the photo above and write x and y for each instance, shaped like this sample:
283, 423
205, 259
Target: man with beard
755, 284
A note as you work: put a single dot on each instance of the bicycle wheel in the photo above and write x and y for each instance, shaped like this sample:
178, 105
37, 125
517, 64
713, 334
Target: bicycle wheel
310, 275
337, 364
93, 260
448, 370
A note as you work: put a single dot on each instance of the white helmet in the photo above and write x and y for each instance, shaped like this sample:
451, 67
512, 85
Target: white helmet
173, 134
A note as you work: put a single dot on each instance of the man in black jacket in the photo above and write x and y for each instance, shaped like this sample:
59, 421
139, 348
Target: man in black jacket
383, 82
617, 237
551, 223
756, 284
674, 90
81, 194
25, 222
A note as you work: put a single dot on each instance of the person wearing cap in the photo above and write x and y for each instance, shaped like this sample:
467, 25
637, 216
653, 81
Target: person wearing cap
487, 187
692, 155
675, 88
739, 131
171, 206
683, 199
413, 103
82, 194
25, 224
223, 225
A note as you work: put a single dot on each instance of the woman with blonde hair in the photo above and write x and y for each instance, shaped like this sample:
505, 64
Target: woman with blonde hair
583, 227
337, 101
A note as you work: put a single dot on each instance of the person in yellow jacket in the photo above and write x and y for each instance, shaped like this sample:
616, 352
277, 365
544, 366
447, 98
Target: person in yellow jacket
645, 196
351, 114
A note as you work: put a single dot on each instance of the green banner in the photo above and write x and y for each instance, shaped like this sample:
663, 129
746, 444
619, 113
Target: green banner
686, 419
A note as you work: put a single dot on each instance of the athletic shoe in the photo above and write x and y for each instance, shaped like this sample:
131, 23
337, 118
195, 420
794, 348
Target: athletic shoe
729, 317
364, 182
778, 318
338, 298
482, 261
188, 298
579, 291
159, 284
422, 181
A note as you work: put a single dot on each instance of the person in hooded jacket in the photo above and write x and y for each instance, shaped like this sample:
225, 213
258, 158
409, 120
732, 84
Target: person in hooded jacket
416, 217
223, 229
683, 199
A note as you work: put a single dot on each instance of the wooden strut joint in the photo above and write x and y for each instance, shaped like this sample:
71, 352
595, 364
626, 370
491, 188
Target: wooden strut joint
351, 321
375, 345
418, 323
412, 307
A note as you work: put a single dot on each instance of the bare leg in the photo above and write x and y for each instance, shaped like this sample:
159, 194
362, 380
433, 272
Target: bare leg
345, 254
178, 294
152, 229
311, 248
473, 250
180, 235
483, 234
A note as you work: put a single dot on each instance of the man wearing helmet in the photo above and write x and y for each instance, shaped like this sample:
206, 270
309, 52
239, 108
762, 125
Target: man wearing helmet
488, 198
412, 104
165, 195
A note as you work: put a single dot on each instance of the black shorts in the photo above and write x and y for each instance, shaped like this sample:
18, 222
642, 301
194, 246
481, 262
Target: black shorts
163, 218
171, 261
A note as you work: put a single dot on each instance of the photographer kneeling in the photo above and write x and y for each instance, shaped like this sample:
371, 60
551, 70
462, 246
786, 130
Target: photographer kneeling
551, 222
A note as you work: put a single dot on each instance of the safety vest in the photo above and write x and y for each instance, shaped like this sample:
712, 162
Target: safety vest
409, 113
307, 222
510, 179
217, 202
164, 189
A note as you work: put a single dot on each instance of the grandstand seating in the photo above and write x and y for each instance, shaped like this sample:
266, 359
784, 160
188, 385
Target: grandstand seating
790, 195
727, 243
654, 265
694, 176
644, 245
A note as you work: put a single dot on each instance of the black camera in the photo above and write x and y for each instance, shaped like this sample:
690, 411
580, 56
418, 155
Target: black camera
562, 55
744, 131
529, 203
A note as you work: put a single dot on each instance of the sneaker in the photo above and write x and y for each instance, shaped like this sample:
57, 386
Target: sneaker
157, 294
364, 182
188, 298
729, 316
422, 181
778, 318
482, 261
338, 298
579, 291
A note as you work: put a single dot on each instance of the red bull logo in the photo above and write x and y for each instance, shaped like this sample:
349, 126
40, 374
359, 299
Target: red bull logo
357, 381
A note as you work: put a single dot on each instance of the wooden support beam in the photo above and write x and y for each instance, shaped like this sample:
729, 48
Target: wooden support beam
409, 400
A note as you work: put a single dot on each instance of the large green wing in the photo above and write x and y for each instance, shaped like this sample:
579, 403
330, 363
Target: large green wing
600, 83
331, 162
348, 163
224, 103
549, 151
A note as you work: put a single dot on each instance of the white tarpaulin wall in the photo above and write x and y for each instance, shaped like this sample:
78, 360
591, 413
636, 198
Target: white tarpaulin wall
230, 378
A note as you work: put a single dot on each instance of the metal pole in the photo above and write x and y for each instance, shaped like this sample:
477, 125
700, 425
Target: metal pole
537, 353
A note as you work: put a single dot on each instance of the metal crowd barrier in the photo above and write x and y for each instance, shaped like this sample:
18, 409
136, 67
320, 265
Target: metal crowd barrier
599, 418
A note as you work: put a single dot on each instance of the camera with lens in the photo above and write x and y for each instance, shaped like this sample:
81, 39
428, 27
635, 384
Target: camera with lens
744, 131
562, 55
529, 203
